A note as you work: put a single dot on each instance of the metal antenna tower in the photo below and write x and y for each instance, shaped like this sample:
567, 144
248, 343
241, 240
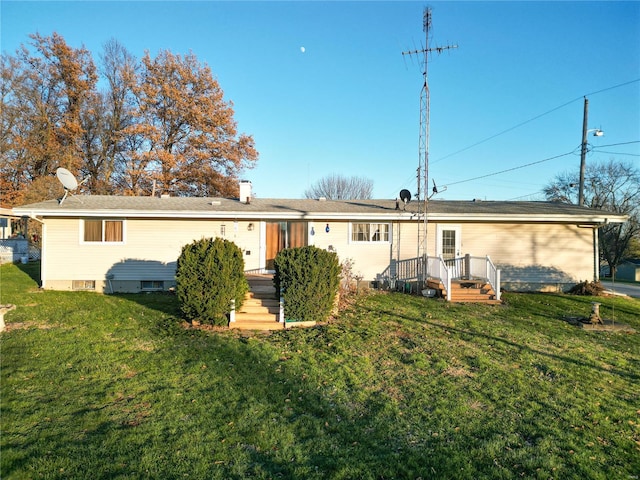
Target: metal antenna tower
423, 143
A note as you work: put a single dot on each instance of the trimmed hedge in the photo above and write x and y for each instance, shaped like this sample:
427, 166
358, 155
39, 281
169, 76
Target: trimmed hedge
209, 274
308, 279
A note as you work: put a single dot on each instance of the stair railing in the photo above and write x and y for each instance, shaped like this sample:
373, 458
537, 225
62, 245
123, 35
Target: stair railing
493, 276
437, 268
445, 270
281, 318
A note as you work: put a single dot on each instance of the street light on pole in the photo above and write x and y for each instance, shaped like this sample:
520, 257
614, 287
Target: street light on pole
583, 148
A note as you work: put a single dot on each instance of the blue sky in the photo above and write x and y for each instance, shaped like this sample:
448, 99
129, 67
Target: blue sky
349, 104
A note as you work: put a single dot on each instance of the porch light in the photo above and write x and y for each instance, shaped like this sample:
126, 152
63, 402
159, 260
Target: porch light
250, 227
326, 229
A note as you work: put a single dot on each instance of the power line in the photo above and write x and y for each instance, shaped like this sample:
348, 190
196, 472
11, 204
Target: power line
506, 131
616, 144
616, 153
611, 88
536, 163
510, 169
529, 195
535, 118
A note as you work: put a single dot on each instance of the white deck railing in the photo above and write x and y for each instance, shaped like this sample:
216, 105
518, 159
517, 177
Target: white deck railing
436, 268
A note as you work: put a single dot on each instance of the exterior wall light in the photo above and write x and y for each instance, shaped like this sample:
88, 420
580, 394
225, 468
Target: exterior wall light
250, 227
326, 229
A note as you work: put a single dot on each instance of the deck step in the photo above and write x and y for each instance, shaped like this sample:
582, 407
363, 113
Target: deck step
256, 325
467, 291
260, 309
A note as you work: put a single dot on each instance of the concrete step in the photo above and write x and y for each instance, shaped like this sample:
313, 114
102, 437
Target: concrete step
255, 325
259, 309
251, 300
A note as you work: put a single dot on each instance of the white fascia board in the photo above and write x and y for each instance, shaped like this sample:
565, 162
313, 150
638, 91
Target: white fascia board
213, 215
572, 219
402, 216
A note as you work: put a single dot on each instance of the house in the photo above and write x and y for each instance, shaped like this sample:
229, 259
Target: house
13, 246
131, 244
629, 270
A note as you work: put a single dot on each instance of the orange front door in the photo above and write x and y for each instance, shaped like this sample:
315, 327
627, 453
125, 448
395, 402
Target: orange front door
281, 235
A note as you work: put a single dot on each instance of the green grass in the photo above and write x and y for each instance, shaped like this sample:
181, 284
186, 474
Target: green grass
106, 387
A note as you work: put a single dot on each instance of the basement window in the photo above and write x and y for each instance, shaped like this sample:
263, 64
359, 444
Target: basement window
83, 285
370, 232
151, 285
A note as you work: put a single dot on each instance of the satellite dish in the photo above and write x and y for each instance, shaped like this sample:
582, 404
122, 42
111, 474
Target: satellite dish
405, 196
67, 179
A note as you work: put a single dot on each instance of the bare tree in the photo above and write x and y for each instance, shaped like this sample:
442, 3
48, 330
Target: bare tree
338, 187
105, 118
613, 186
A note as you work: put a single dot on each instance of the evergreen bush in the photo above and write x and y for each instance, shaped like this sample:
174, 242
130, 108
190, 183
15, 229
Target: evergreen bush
209, 274
308, 279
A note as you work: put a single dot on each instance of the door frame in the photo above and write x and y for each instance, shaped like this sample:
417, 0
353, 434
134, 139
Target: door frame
457, 228
283, 239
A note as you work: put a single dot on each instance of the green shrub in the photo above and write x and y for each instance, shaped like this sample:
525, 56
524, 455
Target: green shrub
308, 279
209, 274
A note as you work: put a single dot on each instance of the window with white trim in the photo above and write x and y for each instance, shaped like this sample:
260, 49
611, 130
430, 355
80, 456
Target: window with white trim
103, 231
370, 232
152, 285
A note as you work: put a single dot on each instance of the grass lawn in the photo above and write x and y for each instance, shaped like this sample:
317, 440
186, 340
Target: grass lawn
113, 387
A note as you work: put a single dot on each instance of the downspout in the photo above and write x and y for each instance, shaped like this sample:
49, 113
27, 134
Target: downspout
596, 256
596, 251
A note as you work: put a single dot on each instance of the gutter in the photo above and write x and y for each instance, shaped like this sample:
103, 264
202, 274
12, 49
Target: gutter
581, 220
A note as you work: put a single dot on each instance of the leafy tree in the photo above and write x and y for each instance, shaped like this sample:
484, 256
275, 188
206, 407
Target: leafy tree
191, 142
43, 95
159, 122
613, 186
338, 187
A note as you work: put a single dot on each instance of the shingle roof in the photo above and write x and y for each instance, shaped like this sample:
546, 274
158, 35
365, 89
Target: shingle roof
200, 207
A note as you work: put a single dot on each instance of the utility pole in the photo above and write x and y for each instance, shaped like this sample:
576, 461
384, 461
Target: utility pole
423, 143
583, 151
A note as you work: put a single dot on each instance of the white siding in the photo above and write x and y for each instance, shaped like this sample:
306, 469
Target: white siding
149, 252
534, 255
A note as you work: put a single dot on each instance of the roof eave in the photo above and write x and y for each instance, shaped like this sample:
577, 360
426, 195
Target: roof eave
586, 218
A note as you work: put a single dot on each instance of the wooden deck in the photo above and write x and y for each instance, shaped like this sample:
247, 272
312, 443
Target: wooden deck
467, 291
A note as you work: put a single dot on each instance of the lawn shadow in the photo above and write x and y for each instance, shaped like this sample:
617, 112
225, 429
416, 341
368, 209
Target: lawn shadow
447, 328
125, 280
33, 270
